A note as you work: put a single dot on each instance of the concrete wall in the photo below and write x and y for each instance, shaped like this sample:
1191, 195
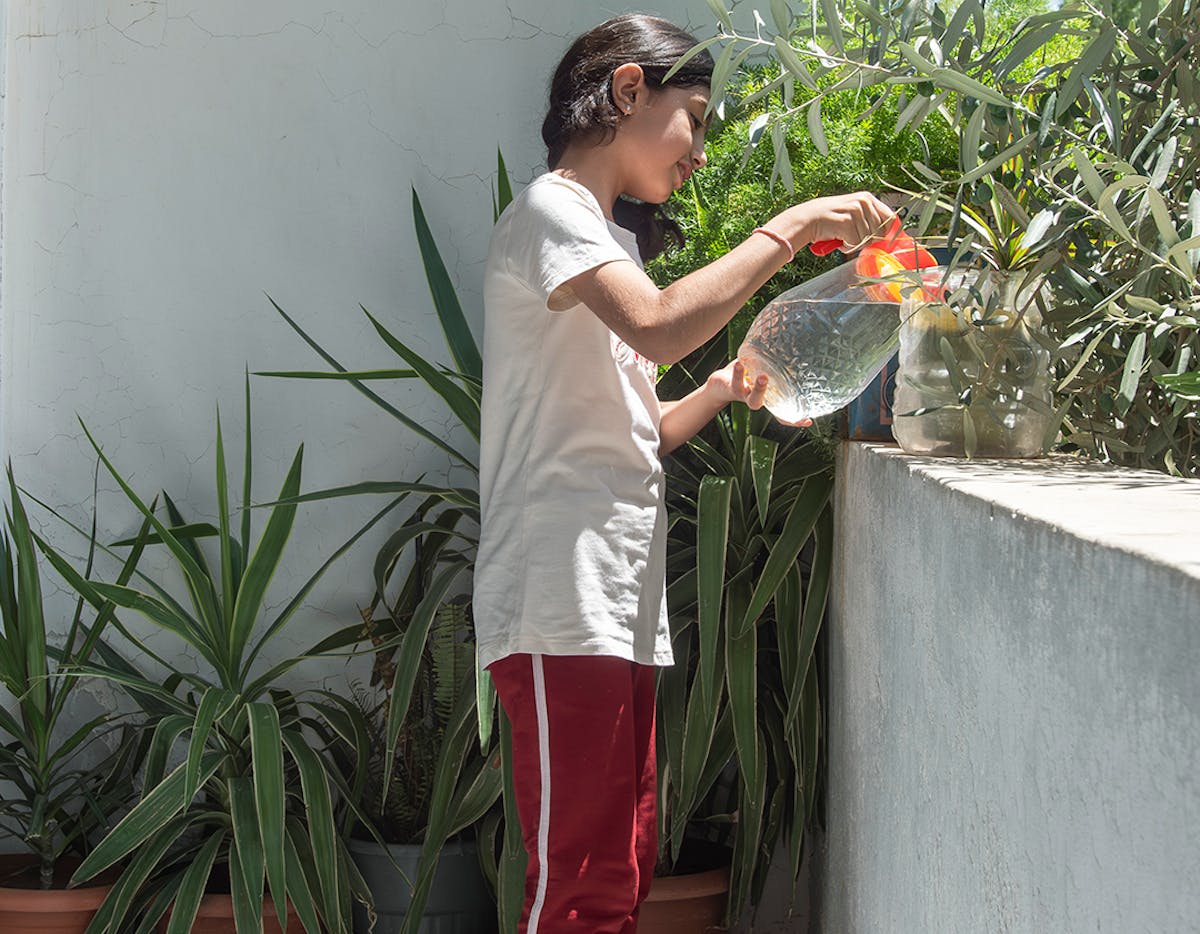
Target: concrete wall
165, 166
1014, 732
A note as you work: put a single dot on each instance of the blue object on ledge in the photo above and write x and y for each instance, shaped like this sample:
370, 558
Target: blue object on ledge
869, 417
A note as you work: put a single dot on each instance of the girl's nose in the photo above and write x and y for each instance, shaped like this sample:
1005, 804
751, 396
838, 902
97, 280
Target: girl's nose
699, 159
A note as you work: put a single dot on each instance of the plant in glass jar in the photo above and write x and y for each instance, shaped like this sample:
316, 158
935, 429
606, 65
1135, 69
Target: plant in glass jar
974, 375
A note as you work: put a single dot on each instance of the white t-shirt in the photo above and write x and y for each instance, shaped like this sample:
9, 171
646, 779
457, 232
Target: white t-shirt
572, 549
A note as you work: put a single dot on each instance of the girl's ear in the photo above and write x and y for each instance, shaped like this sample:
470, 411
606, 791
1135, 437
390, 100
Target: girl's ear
628, 87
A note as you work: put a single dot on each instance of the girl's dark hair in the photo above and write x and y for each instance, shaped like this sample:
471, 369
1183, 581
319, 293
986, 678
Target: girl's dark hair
582, 105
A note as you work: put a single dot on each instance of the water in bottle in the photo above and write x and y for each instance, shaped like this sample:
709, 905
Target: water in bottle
818, 354
821, 343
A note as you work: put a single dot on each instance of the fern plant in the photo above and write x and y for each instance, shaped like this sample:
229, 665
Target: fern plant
400, 808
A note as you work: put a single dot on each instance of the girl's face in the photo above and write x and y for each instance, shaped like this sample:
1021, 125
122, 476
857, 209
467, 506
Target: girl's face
664, 141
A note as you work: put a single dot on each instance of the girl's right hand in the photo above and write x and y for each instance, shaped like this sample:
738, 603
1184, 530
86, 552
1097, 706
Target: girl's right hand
853, 220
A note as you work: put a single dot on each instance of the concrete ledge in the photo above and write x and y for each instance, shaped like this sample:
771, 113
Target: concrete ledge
1014, 699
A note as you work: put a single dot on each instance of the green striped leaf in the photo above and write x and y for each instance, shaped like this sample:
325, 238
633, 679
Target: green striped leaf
456, 742
741, 676
813, 613
485, 704
464, 406
318, 808
346, 376
455, 496
409, 660
157, 907
213, 705
191, 887
100, 594
151, 814
129, 884
266, 747
199, 583
166, 732
229, 584
247, 475
510, 893
712, 534
796, 529
25, 623
298, 889
262, 563
504, 194
264, 681
247, 910
410, 423
699, 725
746, 848
246, 856
454, 323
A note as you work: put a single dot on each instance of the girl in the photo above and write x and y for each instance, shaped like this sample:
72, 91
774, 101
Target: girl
570, 599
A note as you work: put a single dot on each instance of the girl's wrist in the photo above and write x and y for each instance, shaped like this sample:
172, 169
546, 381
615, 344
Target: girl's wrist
715, 393
793, 225
772, 234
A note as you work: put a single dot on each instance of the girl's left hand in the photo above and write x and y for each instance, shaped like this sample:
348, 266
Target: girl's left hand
729, 384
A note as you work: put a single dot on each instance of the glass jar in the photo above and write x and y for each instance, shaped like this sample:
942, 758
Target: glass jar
974, 374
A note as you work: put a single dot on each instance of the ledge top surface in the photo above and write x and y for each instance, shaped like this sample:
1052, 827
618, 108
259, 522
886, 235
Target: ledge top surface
1138, 511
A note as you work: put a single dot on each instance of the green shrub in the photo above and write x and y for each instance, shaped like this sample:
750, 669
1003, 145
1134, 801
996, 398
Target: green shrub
733, 194
1090, 114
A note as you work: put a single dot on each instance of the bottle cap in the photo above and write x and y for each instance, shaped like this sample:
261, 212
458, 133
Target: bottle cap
889, 258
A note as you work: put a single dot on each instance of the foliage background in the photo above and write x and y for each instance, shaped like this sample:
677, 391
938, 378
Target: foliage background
735, 191
1083, 116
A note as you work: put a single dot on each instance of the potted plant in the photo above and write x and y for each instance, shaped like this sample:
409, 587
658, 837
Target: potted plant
975, 361
423, 774
740, 719
241, 832
398, 794
57, 804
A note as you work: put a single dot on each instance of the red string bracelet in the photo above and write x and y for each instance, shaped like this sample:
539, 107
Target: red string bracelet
778, 238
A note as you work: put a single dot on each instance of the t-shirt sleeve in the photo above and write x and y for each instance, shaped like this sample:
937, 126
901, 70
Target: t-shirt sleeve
558, 233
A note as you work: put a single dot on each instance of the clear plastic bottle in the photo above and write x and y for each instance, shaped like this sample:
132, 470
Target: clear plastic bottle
821, 343
818, 354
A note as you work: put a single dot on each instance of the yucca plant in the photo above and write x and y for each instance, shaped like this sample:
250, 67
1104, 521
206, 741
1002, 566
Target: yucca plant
740, 723
252, 799
55, 805
435, 546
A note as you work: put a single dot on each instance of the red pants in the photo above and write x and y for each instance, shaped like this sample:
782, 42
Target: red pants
584, 770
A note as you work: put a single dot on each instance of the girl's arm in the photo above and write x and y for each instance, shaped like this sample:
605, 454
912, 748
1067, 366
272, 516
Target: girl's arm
665, 325
682, 419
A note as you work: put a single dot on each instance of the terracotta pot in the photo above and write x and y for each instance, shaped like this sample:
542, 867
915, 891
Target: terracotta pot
46, 911
686, 904
215, 916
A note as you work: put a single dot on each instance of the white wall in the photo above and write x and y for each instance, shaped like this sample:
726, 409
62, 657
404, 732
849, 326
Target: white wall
165, 165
